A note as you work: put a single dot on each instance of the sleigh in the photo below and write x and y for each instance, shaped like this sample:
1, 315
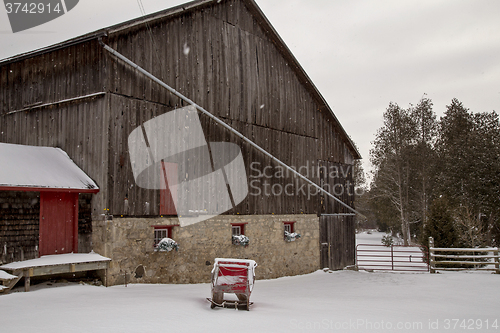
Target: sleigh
235, 276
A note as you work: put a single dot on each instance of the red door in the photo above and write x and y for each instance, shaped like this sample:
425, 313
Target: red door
58, 223
168, 196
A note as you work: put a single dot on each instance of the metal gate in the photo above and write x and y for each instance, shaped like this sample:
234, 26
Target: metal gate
391, 258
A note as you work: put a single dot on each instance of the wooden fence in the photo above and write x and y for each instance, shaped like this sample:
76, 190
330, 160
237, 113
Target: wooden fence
477, 259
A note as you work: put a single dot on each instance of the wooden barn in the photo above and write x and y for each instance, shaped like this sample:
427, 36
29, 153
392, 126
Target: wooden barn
83, 97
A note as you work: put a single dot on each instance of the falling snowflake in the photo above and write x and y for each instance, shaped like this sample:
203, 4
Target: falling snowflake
186, 49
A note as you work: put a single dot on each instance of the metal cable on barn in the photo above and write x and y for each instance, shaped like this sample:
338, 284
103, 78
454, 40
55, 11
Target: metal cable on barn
210, 115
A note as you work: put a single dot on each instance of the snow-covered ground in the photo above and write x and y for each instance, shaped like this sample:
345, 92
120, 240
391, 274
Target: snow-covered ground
321, 301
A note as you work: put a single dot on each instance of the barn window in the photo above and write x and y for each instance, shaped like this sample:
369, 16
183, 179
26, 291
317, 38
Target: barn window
289, 226
289, 233
238, 229
238, 234
162, 231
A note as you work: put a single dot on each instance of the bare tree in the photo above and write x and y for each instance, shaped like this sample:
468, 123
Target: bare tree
390, 157
471, 230
424, 158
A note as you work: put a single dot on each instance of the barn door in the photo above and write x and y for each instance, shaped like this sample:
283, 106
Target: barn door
58, 223
168, 195
337, 230
338, 241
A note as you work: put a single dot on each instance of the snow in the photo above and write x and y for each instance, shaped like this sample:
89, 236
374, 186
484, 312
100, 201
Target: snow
240, 240
230, 280
56, 259
291, 236
345, 301
370, 237
6, 276
45, 167
167, 245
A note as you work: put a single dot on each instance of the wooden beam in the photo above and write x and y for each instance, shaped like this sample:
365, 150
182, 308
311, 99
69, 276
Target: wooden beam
69, 268
46, 189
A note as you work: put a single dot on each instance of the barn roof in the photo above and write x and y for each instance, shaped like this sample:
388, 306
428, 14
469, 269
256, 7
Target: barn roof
194, 6
30, 168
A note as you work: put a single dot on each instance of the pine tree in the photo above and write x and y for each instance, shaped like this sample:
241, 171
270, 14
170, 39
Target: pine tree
469, 159
440, 225
455, 151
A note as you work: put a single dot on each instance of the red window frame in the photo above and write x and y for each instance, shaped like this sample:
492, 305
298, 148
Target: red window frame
292, 227
167, 228
291, 224
241, 225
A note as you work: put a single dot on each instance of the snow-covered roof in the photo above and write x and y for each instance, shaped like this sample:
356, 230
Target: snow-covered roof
37, 168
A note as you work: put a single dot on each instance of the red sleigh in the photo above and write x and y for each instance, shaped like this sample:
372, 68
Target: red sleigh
232, 276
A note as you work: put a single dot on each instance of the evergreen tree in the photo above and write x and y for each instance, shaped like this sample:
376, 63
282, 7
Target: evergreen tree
469, 159
455, 153
418, 160
440, 225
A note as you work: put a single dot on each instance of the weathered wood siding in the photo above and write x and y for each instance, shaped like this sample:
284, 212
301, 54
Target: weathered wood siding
221, 58
336, 178
80, 129
51, 77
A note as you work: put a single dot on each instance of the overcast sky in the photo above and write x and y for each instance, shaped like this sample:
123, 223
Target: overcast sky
360, 54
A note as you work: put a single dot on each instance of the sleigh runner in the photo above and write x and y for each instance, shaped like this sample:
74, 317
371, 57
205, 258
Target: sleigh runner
232, 276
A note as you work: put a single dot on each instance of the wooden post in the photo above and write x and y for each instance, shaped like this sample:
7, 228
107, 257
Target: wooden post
431, 258
27, 280
392, 256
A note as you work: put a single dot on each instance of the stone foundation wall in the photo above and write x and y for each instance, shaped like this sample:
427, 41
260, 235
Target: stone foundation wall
129, 243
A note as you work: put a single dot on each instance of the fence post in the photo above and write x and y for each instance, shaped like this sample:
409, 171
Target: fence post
431, 257
392, 256
497, 261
